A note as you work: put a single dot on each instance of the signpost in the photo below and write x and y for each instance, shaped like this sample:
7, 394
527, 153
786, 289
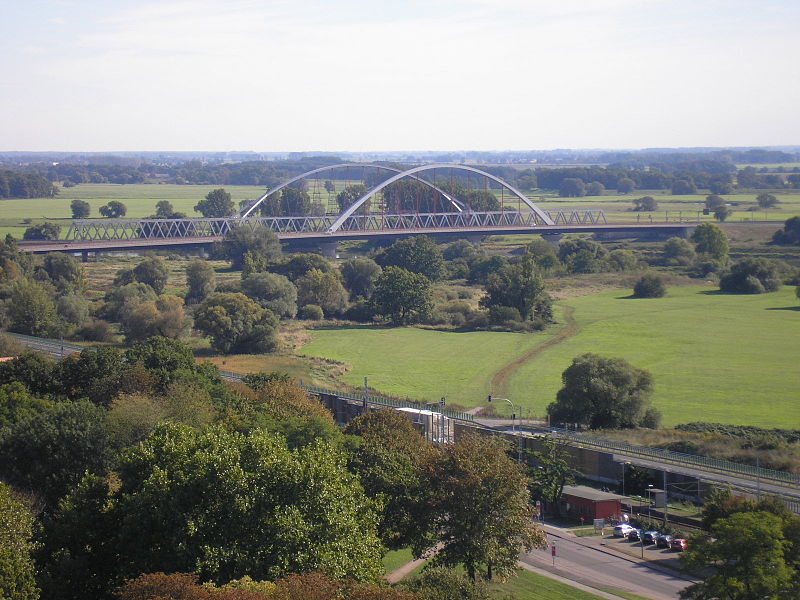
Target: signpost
553, 553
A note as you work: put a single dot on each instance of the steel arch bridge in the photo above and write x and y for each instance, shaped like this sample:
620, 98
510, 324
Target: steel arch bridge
459, 215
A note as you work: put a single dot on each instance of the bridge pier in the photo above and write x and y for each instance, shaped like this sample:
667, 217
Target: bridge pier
85, 256
553, 238
329, 248
475, 239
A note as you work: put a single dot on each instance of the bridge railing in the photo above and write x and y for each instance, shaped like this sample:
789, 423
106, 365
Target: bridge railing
137, 229
707, 463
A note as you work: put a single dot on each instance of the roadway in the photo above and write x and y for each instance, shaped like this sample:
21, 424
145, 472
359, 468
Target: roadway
595, 562
141, 243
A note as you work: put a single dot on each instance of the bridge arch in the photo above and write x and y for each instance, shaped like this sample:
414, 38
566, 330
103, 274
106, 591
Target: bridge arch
245, 212
412, 172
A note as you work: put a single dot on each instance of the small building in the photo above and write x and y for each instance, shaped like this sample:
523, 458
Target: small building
582, 501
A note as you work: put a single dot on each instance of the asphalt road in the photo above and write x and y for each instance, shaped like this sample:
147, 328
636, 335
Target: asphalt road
585, 561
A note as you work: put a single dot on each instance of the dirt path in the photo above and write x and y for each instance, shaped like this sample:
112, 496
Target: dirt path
500, 378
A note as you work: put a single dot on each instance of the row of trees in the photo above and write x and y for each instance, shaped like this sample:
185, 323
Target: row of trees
283, 490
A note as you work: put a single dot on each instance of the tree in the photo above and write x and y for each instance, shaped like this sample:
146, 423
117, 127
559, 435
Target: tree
45, 231
387, 460
625, 185
401, 296
323, 289
418, 254
113, 210
550, 472
65, 272
217, 203
272, 291
123, 299
645, 204
650, 285
49, 453
17, 571
480, 511
751, 276
766, 201
714, 201
721, 213
710, 239
236, 323
521, 287
259, 240
31, 310
264, 511
622, 260
440, 583
790, 234
295, 202
80, 209
745, 554
163, 317
349, 195
683, 187
73, 309
678, 251
152, 271
359, 276
301, 264
34, 370
201, 279
595, 188
571, 187
603, 393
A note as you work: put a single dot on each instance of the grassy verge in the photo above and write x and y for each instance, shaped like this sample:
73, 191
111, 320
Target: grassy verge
396, 559
532, 586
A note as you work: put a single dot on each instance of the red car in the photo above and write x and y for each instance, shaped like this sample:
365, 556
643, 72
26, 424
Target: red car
678, 544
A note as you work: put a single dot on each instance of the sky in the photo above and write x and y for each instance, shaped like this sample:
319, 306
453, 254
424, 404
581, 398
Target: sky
372, 75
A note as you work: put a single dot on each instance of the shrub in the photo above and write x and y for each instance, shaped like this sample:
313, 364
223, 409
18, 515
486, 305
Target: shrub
97, 330
650, 285
312, 312
751, 276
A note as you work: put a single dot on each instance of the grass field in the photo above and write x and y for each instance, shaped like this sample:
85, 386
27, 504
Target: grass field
740, 351
532, 586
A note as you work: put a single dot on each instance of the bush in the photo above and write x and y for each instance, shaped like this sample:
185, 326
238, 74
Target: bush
311, 312
360, 311
751, 276
97, 330
502, 315
650, 285
45, 231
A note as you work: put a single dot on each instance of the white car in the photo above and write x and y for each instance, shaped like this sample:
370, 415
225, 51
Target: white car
622, 529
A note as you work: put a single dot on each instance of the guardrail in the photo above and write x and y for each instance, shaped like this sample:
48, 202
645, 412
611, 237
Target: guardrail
707, 463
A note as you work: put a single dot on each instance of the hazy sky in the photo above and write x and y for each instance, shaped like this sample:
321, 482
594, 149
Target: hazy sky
275, 75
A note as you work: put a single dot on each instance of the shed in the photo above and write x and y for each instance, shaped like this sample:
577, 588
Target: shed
582, 501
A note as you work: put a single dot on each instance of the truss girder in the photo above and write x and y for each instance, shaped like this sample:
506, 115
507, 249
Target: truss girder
137, 229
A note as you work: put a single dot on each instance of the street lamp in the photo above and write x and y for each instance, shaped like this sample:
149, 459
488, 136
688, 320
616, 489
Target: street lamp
514, 428
624, 468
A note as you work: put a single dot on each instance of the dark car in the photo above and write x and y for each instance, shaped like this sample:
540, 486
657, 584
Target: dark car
649, 537
664, 540
678, 544
634, 534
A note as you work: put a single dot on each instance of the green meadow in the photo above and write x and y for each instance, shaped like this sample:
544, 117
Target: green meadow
714, 357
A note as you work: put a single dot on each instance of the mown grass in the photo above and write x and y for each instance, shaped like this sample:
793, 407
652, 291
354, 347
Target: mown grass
714, 357
395, 559
532, 586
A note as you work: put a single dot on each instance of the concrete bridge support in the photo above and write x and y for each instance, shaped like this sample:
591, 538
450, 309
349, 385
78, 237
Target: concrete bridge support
553, 238
329, 248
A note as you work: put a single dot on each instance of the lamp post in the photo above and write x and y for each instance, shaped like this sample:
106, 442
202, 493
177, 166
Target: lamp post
514, 428
624, 468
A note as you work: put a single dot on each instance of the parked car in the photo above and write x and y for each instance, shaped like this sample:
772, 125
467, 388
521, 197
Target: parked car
634, 534
649, 537
622, 529
678, 544
663, 540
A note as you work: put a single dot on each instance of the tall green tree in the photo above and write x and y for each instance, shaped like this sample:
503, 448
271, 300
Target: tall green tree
710, 239
766, 201
259, 240
31, 310
49, 453
604, 393
17, 571
349, 195
480, 509
324, 290
751, 276
359, 276
66, 273
264, 511
80, 209
272, 291
520, 286
236, 323
154, 272
217, 203
201, 280
418, 254
113, 210
745, 556
401, 296
550, 472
